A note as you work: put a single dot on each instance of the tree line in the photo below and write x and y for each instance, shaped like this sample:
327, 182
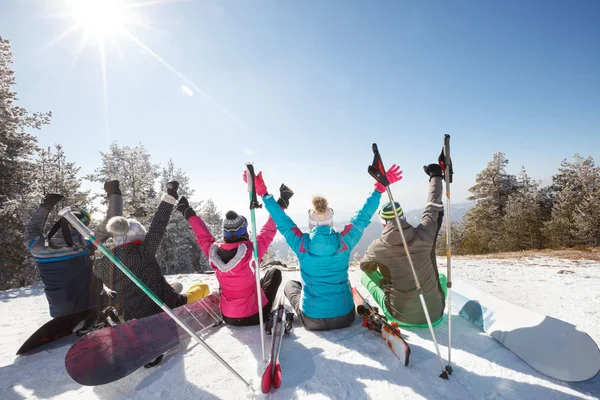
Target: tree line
514, 213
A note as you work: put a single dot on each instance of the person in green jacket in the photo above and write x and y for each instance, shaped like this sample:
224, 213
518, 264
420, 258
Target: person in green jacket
387, 273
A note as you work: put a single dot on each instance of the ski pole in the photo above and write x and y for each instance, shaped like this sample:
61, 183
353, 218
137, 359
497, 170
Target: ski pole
378, 172
253, 205
446, 163
89, 235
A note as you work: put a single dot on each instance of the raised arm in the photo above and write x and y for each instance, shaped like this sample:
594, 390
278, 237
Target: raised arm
34, 229
434, 207
159, 223
269, 230
353, 231
115, 208
285, 225
204, 238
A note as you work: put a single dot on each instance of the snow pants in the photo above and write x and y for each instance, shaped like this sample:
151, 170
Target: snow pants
371, 282
293, 291
270, 284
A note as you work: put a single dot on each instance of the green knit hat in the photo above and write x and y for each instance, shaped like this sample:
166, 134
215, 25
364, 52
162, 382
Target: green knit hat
387, 212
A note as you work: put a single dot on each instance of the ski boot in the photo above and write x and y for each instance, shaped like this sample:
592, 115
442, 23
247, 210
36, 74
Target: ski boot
271, 322
287, 324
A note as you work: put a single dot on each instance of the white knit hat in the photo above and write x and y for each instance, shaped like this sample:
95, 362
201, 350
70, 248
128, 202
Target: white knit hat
320, 214
125, 230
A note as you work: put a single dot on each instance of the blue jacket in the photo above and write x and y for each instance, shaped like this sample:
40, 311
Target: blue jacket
324, 255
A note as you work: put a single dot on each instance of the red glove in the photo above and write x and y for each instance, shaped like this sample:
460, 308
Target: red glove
393, 175
259, 184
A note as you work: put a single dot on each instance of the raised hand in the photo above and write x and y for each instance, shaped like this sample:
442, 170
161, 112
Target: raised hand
393, 175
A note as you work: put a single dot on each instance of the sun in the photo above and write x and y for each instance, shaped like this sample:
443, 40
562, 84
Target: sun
100, 18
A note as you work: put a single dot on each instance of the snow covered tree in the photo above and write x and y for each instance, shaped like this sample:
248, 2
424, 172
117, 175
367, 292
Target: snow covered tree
17, 198
491, 191
137, 175
178, 250
522, 221
576, 213
54, 174
457, 238
214, 222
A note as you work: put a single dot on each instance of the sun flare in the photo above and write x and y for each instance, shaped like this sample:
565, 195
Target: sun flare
102, 18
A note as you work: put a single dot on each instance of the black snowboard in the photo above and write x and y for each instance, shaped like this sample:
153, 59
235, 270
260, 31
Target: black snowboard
60, 327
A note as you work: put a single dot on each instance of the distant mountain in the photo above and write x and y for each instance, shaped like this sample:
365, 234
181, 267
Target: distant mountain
457, 211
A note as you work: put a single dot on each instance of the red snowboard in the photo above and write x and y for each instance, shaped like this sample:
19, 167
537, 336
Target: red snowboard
109, 354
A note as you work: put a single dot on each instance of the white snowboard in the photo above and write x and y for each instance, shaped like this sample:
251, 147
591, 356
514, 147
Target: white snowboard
551, 346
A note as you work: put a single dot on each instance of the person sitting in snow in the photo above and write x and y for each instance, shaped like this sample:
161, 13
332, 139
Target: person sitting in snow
63, 257
136, 248
323, 300
387, 273
231, 262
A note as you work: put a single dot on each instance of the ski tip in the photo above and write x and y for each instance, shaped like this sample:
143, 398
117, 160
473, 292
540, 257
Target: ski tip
277, 377
266, 379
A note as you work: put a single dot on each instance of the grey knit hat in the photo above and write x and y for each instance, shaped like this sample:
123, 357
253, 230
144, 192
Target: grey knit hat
125, 230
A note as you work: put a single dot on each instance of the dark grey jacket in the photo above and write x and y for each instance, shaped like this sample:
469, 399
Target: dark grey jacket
66, 272
140, 258
387, 254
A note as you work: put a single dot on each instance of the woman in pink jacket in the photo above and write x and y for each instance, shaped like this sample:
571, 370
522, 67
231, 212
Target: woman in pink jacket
231, 262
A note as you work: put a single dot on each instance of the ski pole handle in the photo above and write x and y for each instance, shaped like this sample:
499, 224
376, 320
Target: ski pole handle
376, 169
254, 204
76, 223
250, 176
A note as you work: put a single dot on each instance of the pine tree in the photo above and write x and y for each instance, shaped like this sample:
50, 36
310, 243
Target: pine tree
178, 251
214, 222
137, 175
491, 191
54, 174
575, 220
457, 233
522, 221
17, 199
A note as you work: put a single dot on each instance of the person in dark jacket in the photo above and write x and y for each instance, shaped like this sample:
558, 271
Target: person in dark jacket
63, 255
136, 248
387, 273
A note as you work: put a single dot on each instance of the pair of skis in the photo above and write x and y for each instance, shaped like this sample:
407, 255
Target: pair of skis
281, 324
390, 332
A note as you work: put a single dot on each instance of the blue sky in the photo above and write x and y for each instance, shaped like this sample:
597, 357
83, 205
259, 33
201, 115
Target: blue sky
303, 88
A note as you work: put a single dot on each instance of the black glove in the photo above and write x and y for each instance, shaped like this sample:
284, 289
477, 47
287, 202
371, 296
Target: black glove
172, 189
51, 200
433, 170
184, 208
112, 187
285, 194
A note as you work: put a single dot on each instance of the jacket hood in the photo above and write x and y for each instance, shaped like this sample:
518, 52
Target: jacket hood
324, 241
391, 236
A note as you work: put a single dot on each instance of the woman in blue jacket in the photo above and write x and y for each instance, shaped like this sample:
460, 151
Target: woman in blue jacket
323, 300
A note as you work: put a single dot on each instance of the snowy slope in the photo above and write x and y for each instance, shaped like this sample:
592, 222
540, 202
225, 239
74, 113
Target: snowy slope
351, 363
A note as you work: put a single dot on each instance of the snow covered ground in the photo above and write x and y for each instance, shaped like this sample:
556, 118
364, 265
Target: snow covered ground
351, 363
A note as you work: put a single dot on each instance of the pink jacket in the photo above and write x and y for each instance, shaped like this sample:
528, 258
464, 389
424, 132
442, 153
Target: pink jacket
237, 281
